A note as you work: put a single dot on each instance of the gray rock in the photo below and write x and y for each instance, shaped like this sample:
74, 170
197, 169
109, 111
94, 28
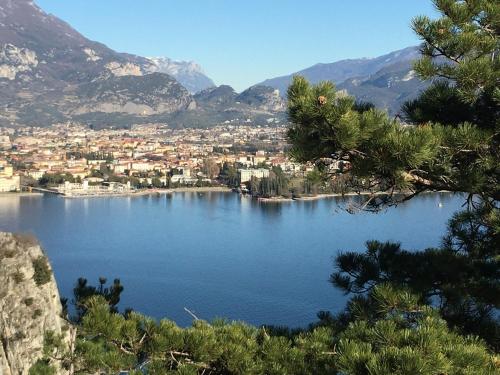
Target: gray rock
27, 310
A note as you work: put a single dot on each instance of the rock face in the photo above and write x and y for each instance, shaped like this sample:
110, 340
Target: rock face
15, 60
46, 67
387, 81
50, 73
188, 73
27, 309
256, 105
264, 98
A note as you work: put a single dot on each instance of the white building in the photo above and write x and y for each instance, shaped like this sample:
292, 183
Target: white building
8, 180
247, 174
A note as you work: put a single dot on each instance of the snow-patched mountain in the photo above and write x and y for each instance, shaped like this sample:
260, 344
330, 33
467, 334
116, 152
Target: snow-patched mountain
188, 73
49, 72
387, 81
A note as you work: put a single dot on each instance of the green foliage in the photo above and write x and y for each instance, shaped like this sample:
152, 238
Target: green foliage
461, 277
454, 145
42, 367
83, 292
55, 351
385, 154
54, 179
275, 185
392, 333
36, 314
156, 182
442, 103
399, 336
462, 46
108, 157
42, 273
229, 175
110, 342
18, 276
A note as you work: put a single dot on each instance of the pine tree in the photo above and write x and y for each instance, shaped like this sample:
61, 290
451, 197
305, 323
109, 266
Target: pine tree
453, 144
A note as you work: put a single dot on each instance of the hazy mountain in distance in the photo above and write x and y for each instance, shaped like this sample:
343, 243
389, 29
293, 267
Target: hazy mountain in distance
387, 81
49, 72
188, 73
222, 104
389, 88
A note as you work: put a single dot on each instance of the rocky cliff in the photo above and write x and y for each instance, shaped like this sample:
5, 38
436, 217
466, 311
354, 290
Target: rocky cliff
50, 73
29, 303
188, 73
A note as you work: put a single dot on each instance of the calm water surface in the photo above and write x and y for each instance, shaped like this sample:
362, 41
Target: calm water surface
216, 253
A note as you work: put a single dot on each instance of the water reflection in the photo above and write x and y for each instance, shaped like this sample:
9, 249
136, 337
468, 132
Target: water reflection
219, 253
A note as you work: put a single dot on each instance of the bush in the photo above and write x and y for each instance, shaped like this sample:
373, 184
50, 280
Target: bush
18, 276
7, 254
42, 367
42, 271
37, 313
28, 301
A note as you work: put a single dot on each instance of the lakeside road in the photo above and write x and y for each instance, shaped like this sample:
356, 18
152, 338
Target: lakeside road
21, 194
217, 189
206, 189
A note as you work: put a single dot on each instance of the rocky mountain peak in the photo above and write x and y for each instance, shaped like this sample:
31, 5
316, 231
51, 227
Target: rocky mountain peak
263, 97
188, 73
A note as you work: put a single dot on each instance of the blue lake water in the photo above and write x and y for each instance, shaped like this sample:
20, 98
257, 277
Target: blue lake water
218, 254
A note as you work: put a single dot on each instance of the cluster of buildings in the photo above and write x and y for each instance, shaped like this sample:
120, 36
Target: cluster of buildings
119, 159
9, 181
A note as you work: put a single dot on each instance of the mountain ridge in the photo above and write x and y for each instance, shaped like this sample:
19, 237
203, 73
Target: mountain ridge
366, 78
189, 73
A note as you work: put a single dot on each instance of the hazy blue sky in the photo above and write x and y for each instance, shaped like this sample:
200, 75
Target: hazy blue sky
242, 42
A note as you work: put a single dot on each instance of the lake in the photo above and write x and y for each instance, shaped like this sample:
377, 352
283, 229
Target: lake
218, 254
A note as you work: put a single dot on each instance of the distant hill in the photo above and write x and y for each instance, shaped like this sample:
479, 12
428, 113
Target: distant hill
188, 73
50, 73
387, 81
256, 105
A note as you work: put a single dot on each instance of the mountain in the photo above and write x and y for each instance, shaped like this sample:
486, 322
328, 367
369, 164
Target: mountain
222, 104
389, 88
387, 81
188, 73
49, 73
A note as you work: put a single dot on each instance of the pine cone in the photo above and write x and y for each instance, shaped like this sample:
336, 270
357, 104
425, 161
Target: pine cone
322, 100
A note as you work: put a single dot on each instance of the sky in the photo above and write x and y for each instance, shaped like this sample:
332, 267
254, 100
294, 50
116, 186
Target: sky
243, 42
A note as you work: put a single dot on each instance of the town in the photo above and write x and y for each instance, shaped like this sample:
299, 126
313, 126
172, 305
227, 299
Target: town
74, 160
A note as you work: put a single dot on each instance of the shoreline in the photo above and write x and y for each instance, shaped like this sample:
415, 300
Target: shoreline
333, 195
205, 189
21, 194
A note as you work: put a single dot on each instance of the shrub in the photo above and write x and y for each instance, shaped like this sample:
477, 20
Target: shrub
19, 336
42, 367
28, 301
18, 276
8, 254
42, 271
37, 313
